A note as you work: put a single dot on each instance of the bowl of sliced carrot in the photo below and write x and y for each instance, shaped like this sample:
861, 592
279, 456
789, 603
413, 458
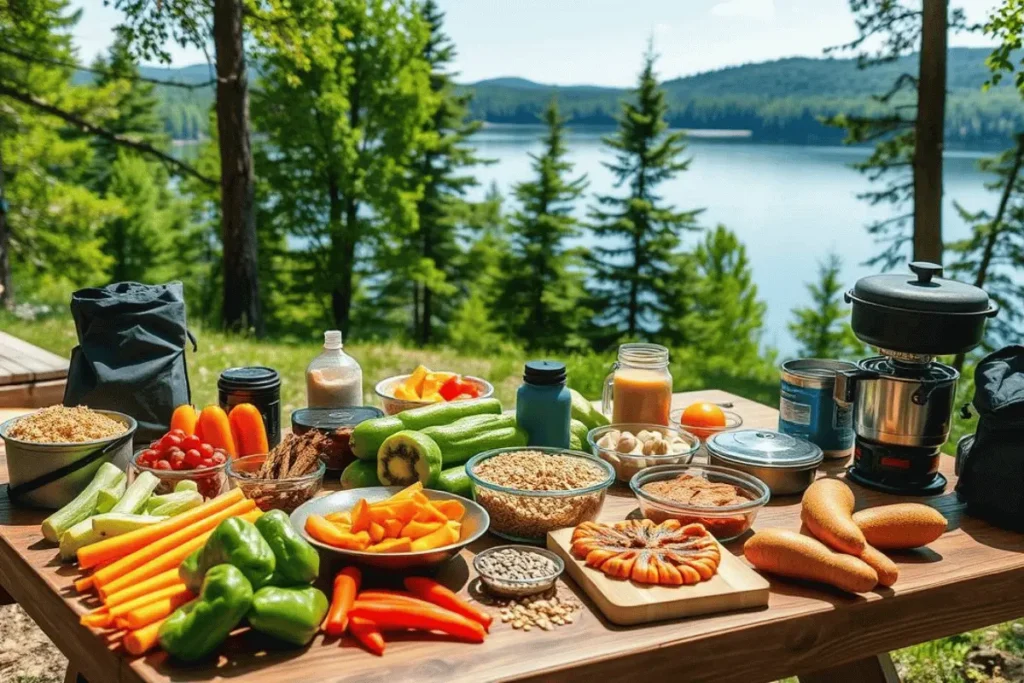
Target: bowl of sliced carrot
388, 527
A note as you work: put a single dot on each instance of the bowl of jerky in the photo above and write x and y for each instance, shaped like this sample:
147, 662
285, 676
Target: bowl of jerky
287, 476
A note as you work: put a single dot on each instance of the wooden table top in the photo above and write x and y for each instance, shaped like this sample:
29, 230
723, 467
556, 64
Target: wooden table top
21, 362
969, 578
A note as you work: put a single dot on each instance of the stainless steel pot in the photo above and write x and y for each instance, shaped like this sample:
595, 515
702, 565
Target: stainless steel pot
899, 410
787, 465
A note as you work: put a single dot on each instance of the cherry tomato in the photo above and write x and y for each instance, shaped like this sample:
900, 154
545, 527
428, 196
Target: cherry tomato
205, 463
149, 455
170, 441
180, 433
218, 458
192, 458
177, 461
206, 450
161, 465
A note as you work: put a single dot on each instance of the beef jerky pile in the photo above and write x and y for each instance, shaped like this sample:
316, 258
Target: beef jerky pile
295, 456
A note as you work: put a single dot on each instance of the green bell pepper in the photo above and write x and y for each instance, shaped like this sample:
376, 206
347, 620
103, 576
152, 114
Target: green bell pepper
236, 541
297, 562
188, 572
196, 629
293, 615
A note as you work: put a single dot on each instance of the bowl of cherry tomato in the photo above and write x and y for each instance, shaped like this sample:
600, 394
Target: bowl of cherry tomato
176, 457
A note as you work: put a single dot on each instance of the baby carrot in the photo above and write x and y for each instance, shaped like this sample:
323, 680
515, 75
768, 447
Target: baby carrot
400, 614
367, 633
143, 640
168, 578
346, 585
440, 595
157, 610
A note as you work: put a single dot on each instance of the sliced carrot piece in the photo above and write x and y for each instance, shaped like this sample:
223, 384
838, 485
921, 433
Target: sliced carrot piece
445, 535
391, 545
376, 532
325, 532
361, 516
344, 517
393, 528
367, 633
427, 512
452, 509
416, 529
103, 620
143, 640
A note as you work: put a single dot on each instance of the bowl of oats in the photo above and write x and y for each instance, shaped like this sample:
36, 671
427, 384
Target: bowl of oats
53, 453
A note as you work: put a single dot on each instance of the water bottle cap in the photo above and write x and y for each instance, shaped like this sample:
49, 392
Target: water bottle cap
332, 339
544, 372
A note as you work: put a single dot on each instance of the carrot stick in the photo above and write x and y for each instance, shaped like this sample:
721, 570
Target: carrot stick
383, 594
367, 633
143, 640
157, 548
143, 600
440, 595
84, 584
168, 578
97, 620
405, 613
346, 585
154, 611
169, 560
119, 546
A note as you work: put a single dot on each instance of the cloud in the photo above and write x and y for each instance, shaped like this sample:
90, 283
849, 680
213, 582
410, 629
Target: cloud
661, 29
744, 9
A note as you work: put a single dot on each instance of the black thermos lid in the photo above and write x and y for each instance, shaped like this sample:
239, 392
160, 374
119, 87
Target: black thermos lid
544, 372
253, 378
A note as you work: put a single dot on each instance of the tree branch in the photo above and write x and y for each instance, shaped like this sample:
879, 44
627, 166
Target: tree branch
26, 57
93, 129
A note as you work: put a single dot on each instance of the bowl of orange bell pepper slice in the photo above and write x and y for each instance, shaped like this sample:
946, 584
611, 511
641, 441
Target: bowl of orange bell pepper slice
388, 527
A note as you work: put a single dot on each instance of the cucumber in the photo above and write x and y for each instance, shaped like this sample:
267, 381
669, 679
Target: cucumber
574, 442
171, 504
584, 411
455, 480
457, 449
117, 523
107, 498
186, 485
136, 495
78, 536
367, 436
407, 457
360, 474
579, 430
83, 505
446, 413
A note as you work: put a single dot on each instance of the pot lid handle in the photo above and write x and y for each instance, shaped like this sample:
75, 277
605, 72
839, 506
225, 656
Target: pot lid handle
925, 271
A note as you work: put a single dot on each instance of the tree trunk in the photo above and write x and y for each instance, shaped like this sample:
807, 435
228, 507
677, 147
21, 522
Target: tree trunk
344, 245
242, 308
6, 280
427, 302
931, 109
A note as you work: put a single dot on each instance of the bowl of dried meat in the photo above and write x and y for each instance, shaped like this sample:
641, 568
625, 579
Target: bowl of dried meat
286, 477
724, 500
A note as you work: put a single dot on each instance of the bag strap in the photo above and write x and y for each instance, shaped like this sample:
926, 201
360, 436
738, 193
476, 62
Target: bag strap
15, 492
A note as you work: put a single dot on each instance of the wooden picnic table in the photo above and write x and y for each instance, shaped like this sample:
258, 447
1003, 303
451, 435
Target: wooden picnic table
970, 578
30, 376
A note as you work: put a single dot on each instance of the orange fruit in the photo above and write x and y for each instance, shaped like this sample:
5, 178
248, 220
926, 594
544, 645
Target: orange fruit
702, 419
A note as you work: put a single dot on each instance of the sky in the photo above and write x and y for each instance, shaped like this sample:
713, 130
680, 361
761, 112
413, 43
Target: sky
600, 42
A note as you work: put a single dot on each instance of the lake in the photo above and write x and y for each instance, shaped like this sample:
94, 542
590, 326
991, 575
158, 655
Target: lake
789, 204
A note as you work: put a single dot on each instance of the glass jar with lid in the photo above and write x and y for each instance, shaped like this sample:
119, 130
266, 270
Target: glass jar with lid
334, 378
639, 389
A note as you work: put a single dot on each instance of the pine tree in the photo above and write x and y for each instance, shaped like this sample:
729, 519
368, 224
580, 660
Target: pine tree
542, 293
822, 329
638, 235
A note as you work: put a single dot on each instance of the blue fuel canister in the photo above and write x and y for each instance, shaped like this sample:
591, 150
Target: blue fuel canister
808, 410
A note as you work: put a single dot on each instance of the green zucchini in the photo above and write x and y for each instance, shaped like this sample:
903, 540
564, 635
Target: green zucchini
367, 436
574, 442
172, 504
457, 449
455, 480
584, 411
83, 505
446, 413
117, 523
359, 474
407, 457
107, 498
136, 495
579, 430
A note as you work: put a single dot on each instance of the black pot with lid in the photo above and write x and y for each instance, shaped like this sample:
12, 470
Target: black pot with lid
919, 313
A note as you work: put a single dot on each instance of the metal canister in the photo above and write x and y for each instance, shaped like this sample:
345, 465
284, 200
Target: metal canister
259, 386
808, 409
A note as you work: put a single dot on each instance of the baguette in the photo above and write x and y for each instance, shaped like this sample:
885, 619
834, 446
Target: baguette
900, 526
827, 510
790, 554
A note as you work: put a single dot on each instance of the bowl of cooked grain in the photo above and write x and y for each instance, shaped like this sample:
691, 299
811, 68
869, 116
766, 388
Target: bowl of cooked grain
55, 440
531, 491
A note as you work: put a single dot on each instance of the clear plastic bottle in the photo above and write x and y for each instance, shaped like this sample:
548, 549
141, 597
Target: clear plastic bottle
334, 379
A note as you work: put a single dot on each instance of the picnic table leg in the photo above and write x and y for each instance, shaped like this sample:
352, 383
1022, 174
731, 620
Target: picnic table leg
72, 675
5, 597
877, 669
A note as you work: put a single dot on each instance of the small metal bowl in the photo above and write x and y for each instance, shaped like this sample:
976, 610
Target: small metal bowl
517, 588
474, 525
786, 464
385, 389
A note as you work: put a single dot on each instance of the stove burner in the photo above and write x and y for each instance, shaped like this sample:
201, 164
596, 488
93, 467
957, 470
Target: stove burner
901, 470
905, 357
925, 372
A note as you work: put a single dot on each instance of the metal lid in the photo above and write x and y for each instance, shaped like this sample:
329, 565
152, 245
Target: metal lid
249, 378
764, 448
925, 290
332, 418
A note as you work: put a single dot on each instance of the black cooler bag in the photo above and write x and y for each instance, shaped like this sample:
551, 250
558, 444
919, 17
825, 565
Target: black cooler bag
991, 466
131, 353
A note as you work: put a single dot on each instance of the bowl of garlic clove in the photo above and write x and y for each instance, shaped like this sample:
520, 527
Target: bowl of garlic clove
631, 447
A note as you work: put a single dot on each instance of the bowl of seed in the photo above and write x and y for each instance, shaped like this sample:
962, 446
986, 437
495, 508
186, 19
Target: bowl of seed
515, 571
531, 491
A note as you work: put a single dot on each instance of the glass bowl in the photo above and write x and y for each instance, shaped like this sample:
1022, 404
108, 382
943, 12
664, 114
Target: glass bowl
211, 481
732, 421
385, 389
517, 588
723, 522
626, 465
526, 516
274, 494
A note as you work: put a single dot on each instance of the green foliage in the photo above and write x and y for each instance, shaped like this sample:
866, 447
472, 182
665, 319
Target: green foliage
1006, 25
823, 328
543, 288
637, 262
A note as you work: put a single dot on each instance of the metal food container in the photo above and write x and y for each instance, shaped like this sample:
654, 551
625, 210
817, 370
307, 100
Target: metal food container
786, 464
28, 460
808, 408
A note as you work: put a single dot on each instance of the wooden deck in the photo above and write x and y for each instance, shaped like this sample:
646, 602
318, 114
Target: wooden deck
30, 376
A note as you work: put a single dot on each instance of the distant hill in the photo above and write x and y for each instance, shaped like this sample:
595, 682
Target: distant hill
779, 100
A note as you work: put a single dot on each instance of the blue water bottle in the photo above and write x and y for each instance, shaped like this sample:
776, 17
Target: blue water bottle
543, 404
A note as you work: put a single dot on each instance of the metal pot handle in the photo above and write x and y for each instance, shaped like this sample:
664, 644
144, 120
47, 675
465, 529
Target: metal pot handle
846, 384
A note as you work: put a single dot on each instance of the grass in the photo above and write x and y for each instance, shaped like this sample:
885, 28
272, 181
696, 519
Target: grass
939, 661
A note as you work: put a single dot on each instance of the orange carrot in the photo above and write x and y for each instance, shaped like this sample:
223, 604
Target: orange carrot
391, 545
346, 585
157, 610
361, 516
119, 546
386, 594
367, 633
406, 613
97, 620
143, 600
162, 563
168, 578
157, 548
326, 532
440, 595
184, 418
247, 429
143, 640
216, 429
84, 584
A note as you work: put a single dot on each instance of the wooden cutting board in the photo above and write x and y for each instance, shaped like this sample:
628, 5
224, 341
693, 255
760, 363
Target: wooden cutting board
735, 586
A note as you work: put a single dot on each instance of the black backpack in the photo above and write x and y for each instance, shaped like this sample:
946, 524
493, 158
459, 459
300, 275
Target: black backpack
991, 463
131, 353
